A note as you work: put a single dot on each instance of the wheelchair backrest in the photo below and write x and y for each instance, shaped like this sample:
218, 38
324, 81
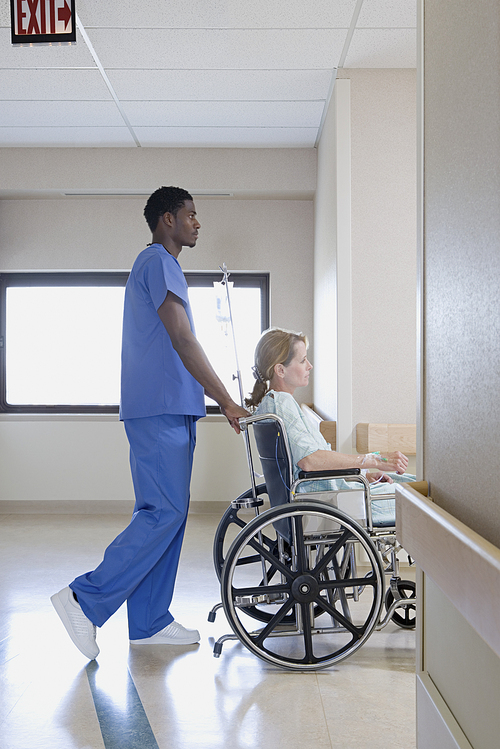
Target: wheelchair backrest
272, 444
270, 436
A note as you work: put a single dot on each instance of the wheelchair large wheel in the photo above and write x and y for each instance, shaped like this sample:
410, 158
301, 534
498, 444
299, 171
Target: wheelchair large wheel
314, 580
230, 524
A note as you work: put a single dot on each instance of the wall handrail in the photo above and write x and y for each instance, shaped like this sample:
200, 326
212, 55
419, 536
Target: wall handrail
463, 564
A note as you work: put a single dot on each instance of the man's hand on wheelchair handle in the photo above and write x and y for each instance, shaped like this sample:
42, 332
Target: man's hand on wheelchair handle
233, 413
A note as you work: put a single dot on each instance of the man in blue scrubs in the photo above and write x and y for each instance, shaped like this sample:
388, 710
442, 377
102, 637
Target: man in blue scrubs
165, 374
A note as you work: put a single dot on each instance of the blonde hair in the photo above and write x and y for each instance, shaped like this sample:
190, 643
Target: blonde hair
276, 346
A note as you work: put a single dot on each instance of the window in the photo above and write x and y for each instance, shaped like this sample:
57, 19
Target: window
60, 336
249, 300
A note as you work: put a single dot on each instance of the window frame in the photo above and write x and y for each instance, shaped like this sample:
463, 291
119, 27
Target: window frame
104, 278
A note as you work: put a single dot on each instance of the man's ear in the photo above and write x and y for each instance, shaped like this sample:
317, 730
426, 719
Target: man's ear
168, 219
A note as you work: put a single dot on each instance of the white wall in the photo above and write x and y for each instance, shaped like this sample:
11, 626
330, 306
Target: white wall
382, 248
77, 458
325, 269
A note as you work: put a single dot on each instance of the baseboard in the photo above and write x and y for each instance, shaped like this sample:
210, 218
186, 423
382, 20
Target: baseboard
92, 507
66, 507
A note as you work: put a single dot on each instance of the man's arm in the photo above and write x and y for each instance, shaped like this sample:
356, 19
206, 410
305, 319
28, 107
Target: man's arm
175, 319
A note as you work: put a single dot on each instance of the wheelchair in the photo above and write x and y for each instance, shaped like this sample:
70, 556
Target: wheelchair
308, 572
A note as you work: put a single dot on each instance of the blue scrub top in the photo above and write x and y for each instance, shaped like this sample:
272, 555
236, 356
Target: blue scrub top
154, 380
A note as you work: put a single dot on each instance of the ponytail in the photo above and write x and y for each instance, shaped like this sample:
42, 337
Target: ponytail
276, 346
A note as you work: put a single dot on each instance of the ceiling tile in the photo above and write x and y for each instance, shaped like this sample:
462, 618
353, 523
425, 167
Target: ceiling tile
388, 13
5, 14
180, 49
234, 85
224, 114
382, 48
61, 137
58, 114
247, 74
227, 137
54, 84
44, 55
219, 14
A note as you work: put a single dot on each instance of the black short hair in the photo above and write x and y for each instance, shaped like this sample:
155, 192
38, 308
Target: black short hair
164, 200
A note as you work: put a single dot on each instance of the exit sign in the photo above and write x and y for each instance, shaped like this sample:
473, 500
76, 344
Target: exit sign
42, 21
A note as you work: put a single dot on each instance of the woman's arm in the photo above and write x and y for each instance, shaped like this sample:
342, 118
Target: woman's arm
322, 460
302, 440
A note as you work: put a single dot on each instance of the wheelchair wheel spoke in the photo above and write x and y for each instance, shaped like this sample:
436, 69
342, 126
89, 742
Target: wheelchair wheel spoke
273, 623
408, 617
338, 593
308, 644
348, 582
270, 557
332, 552
301, 553
357, 632
249, 560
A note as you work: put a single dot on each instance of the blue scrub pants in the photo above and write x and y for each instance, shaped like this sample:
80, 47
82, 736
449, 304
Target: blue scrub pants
140, 565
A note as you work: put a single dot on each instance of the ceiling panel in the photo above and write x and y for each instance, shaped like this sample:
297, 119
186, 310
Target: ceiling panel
43, 56
64, 137
382, 48
231, 85
227, 137
57, 114
388, 13
224, 114
55, 84
216, 14
179, 49
208, 73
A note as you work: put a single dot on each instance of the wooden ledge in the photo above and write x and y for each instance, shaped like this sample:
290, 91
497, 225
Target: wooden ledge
386, 438
463, 564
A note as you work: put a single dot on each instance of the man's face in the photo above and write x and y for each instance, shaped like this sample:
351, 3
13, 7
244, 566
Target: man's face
185, 225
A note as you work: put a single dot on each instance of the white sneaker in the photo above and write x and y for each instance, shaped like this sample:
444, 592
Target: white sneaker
80, 629
174, 634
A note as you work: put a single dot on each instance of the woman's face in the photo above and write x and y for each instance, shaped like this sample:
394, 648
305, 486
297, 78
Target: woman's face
296, 374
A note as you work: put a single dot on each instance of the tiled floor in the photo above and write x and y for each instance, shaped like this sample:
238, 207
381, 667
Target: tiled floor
144, 697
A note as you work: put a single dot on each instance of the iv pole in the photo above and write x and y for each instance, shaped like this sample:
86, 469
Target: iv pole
237, 376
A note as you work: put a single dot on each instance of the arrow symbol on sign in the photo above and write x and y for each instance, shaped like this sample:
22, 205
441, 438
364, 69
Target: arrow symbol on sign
64, 14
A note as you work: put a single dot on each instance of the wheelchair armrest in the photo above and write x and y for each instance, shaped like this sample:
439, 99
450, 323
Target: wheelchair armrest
329, 474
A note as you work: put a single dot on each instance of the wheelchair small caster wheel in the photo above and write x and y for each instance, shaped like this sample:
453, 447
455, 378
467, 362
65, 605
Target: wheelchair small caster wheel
405, 617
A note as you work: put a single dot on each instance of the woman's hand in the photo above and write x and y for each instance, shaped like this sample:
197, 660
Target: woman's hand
396, 461
379, 476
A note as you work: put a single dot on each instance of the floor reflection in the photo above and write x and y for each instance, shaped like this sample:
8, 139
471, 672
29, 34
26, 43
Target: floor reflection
143, 697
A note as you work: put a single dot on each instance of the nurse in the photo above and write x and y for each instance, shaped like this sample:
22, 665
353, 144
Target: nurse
165, 374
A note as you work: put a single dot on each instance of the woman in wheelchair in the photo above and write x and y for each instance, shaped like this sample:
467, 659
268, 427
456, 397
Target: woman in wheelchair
282, 366
307, 570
